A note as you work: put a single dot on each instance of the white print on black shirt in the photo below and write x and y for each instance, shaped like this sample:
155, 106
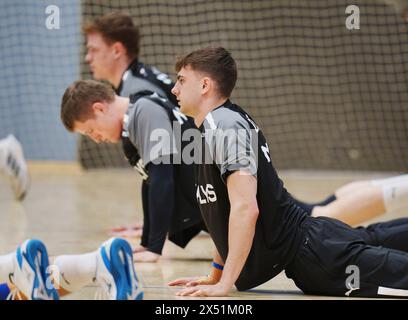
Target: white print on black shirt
265, 150
206, 194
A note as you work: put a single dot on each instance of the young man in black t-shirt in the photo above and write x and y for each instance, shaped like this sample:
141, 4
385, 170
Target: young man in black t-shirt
257, 228
113, 49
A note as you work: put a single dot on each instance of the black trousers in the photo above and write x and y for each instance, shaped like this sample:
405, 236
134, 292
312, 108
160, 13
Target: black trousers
391, 234
335, 259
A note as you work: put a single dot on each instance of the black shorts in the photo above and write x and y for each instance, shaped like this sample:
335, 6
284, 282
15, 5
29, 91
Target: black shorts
335, 260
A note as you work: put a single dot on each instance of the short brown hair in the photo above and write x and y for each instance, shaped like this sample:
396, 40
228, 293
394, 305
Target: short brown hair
77, 101
217, 62
117, 26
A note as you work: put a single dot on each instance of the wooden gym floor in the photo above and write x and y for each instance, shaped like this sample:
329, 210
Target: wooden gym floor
71, 211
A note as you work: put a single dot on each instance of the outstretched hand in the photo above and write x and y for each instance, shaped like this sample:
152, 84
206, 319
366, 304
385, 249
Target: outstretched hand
193, 281
216, 290
131, 231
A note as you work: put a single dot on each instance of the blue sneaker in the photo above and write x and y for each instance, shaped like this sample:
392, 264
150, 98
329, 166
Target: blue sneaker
115, 271
30, 274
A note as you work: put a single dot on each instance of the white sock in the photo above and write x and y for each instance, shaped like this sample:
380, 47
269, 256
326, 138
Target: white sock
75, 271
395, 192
6, 266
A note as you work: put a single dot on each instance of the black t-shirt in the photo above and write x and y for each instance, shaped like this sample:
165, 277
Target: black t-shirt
232, 141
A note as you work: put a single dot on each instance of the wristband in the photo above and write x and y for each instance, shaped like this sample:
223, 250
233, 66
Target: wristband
217, 266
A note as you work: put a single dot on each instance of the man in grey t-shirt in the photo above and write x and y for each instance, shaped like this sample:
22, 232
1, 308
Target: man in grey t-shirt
92, 109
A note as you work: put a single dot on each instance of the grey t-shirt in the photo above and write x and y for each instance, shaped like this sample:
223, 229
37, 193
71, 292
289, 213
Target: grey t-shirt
132, 84
140, 77
150, 131
232, 143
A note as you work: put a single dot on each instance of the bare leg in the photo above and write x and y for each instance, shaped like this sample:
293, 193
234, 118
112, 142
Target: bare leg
355, 203
351, 187
364, 200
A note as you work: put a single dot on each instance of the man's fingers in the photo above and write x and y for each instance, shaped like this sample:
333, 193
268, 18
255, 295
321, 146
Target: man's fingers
199, 293
177, 282
118, 229
193, 283
173, 283
186, 292
136, 226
